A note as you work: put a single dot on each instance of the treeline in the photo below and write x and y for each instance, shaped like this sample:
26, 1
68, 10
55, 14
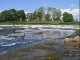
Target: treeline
12, 15
39, 14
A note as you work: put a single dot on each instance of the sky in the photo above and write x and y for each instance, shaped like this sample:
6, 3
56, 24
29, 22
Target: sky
70, 6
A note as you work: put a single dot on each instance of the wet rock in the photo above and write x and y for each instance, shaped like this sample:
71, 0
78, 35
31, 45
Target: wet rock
76, 39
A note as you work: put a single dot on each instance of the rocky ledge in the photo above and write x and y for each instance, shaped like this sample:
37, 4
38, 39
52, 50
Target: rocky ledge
73, 39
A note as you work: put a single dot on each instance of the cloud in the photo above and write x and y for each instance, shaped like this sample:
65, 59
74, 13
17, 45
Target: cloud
72, 5
74, 12
45, 4
65, 10
0, 10
27, 12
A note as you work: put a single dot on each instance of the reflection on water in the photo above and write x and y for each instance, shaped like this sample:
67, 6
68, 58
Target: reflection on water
12, 38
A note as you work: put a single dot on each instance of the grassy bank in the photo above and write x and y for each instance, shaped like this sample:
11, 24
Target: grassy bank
40, 22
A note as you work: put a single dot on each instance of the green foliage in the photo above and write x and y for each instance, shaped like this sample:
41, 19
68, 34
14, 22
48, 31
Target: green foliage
47, 17
56, 13
21, 15
71, 23
49, 14
35, 15
5, 15
67, 17
12, 15
40, 12
40, 22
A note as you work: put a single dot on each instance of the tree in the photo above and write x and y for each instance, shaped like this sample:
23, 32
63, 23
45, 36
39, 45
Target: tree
40, 12
21, 15
5, 16
13, 13
67, 17
31, 16
56, 13
35, 15
53, 13
48, 14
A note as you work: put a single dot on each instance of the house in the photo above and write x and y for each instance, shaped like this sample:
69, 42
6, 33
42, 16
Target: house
43, 18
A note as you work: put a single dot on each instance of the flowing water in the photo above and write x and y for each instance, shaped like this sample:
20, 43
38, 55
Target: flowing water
12, 38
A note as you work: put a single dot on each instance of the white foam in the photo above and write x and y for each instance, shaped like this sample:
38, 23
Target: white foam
10, 44
16, 34
7, 37
1, 28
54, 26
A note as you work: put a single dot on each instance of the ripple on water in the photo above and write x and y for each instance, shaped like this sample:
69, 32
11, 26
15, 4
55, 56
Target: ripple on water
9, 44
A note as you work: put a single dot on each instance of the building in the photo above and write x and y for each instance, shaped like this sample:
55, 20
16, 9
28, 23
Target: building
43, 18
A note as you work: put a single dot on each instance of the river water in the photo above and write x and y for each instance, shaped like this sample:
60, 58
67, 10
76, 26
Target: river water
15, 37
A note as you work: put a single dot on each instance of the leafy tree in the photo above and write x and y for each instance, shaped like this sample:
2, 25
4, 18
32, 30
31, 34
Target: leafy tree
21, 15
13, 13
35, 15
31, 16
47, 16
40, 12
5, 16
67, 17
49, 10
56, 13
53, 13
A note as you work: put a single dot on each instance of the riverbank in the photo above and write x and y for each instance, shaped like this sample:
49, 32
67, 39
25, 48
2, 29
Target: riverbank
33, 22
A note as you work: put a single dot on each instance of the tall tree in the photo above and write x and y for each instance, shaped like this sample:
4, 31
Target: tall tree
35, 15
56, 13
40, 12
21, 15
67, 17
5, 16
48, 14
13, 13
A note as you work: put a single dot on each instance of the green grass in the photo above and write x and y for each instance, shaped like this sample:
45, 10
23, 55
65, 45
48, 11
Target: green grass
72, 23
31, 22
40, 22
